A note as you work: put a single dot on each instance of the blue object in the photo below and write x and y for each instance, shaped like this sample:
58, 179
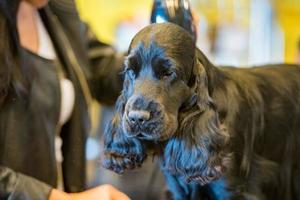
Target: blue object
175, 11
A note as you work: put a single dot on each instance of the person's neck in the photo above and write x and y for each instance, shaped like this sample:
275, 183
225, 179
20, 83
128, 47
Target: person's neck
27, 27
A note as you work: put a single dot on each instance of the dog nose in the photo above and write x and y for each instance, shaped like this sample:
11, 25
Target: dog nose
138, 116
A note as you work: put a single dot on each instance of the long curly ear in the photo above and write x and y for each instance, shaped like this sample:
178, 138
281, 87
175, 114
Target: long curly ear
120, 151
197, 152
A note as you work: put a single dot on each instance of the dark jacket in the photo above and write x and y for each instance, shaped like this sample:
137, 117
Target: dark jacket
28, 127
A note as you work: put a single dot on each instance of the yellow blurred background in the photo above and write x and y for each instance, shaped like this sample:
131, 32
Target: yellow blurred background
106, 16
288, 12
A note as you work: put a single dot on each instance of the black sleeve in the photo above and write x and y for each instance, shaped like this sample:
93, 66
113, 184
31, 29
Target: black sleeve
101, 63
15, 186
106, 70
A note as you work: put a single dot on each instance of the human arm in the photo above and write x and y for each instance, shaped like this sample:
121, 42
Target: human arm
106, 70
101, 63
14, 186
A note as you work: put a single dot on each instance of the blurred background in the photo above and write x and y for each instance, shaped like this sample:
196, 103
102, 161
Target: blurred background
230, 32
238, 32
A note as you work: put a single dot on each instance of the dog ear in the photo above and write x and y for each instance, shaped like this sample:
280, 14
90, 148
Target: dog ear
197, 151
120, 151
201, 87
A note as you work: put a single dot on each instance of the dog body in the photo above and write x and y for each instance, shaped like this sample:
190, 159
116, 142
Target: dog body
219, 133
260, 108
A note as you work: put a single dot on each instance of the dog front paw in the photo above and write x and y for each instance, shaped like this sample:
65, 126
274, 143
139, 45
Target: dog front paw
126, 155
119, 163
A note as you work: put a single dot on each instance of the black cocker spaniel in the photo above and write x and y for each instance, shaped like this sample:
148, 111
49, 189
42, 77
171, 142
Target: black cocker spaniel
219, 133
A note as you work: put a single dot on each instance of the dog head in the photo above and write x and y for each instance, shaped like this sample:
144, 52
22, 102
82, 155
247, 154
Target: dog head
158, 72
166, 97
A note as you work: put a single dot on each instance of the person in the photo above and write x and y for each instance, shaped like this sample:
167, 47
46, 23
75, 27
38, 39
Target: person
50, 68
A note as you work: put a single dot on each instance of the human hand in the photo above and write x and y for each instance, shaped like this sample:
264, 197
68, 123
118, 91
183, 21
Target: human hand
103, 192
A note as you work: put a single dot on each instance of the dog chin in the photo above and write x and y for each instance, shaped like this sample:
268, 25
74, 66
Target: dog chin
160, 133
160, 130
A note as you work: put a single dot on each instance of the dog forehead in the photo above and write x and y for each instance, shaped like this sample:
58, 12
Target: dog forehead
164, 35
147, 54
165, 40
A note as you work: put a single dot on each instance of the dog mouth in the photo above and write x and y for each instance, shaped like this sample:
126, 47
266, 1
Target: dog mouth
144, 136
153, 130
